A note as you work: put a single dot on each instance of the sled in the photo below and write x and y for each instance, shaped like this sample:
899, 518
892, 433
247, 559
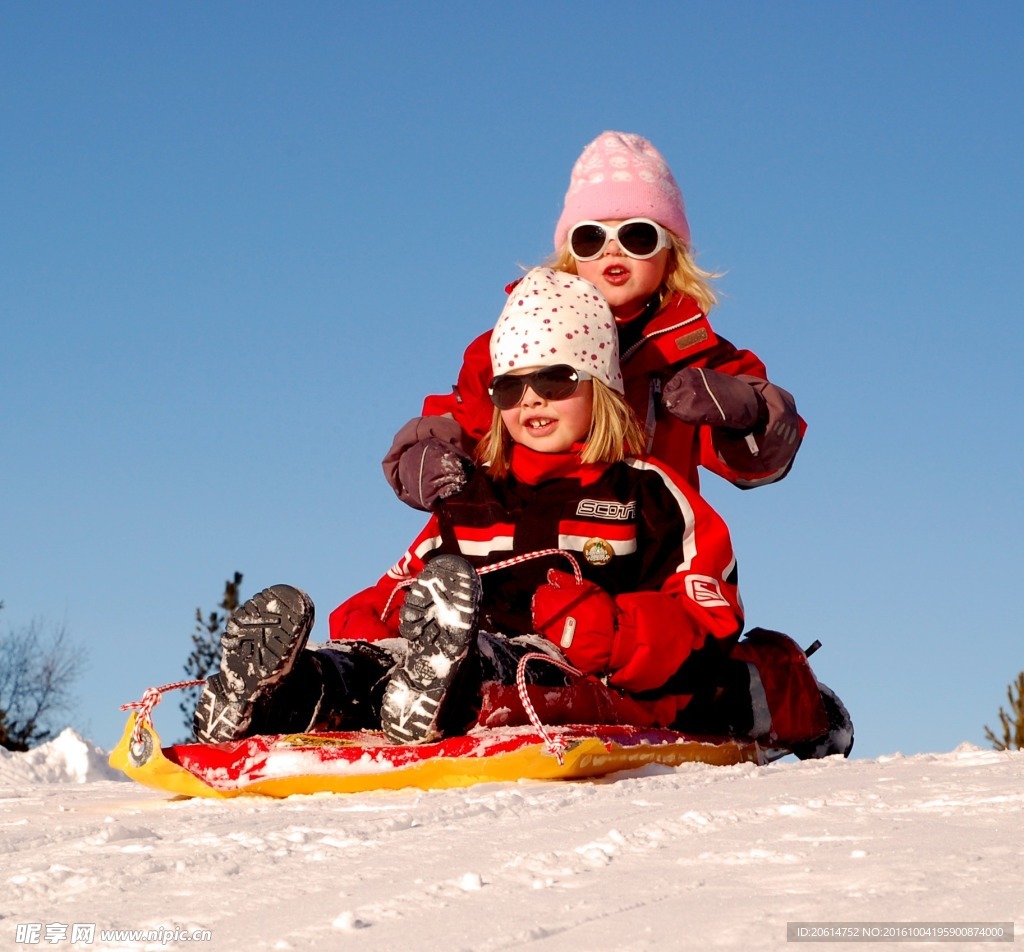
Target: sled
356, 762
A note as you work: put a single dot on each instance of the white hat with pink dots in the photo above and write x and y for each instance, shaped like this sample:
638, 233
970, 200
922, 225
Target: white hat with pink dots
553, 317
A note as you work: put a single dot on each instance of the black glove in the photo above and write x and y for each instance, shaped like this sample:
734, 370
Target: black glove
705, 397
431, 471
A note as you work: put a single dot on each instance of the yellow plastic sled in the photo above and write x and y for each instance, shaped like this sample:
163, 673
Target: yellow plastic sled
354, 762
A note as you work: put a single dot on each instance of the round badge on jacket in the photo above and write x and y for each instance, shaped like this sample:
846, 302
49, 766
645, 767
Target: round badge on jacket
597, 551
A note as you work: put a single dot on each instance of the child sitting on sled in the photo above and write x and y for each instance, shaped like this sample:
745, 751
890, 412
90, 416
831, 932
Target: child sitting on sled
566, 543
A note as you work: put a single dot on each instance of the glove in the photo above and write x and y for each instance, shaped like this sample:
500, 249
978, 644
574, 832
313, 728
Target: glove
432, 470
700, 396
578, 618
421, 464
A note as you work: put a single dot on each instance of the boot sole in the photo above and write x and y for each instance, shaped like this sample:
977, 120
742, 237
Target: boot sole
439, 621
219, 715
258, 648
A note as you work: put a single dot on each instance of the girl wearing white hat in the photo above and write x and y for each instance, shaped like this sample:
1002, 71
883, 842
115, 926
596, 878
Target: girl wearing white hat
648, 617
559, 489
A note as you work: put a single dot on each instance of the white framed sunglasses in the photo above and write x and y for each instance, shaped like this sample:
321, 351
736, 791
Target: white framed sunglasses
637, 237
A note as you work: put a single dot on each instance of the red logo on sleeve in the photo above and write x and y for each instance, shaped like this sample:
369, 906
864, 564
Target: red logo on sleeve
706, 591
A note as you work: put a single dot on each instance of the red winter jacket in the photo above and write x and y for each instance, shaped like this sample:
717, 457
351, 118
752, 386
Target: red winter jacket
672, 573
678, 336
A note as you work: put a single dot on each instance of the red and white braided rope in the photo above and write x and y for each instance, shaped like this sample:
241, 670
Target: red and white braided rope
493, 567
405, 583
556, 743
526, 556
151, 698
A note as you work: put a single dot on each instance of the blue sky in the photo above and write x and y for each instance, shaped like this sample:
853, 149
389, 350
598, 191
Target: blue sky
240, 241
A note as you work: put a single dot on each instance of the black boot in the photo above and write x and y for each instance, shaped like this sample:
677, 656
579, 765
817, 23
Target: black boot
839, 737
261, 641
730, 703
438, 620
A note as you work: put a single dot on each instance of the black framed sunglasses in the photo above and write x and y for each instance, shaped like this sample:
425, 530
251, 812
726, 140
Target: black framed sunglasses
551, 383
637, 237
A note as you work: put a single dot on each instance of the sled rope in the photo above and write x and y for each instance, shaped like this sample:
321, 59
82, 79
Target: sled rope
555, 744
387, 605
493, 567
518, 559
151, 697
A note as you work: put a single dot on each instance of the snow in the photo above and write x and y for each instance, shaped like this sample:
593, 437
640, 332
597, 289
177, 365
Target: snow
694, 857
66, 758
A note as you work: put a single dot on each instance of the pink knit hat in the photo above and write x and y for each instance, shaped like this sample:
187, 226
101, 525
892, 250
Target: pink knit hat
552, 317
621, 175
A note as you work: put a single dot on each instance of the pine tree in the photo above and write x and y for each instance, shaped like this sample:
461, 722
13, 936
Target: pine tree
1012, 722
205, 657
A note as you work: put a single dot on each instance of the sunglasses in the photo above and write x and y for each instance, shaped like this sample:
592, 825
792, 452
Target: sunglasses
638, 237
551, 383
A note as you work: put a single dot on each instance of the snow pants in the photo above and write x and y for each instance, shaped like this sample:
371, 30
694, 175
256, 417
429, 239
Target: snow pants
764, 689
339, 686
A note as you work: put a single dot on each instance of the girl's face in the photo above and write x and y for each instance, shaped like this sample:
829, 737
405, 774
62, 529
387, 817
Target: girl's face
551, 426
626, 283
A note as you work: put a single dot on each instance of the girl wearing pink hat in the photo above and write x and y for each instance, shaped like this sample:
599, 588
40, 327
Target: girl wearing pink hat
703, 401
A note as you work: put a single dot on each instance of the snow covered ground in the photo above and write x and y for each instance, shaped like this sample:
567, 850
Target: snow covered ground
688, 858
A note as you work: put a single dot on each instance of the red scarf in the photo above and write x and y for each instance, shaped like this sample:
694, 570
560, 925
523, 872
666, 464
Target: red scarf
533, 467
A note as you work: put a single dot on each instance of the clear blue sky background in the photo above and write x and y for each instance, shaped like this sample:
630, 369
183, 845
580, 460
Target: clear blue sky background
240, 241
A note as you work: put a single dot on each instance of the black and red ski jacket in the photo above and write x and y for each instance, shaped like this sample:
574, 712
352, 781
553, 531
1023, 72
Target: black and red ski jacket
635, 528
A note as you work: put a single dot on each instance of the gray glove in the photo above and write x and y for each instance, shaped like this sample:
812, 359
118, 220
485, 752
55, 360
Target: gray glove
428, 461
431, 471
705, 397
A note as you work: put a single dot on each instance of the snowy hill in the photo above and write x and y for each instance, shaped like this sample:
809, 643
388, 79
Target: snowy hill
690, 858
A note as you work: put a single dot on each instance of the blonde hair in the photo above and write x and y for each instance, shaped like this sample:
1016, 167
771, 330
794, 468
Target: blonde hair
615, 434
682, 274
